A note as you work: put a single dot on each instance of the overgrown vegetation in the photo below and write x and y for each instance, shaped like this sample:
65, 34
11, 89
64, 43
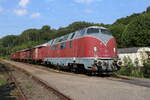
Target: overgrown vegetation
2, 81
146, 70
130, 31
133, 70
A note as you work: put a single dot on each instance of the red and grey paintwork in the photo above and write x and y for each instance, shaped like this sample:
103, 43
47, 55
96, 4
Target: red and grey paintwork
92, 48
96, 51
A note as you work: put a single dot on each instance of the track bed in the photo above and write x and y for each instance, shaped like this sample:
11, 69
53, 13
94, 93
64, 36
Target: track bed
80, 87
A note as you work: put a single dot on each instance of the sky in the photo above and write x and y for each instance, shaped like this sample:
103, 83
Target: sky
19, 15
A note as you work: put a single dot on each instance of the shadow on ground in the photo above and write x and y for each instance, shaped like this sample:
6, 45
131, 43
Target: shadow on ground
5, 91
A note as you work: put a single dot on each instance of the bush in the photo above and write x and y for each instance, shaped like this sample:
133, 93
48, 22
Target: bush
130, 69
2, 81
146, 70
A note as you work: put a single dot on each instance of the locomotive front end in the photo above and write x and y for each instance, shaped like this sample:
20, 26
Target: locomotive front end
102, 48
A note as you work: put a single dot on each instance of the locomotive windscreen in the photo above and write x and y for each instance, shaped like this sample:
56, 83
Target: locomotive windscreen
104, 31
97, 30
93, 30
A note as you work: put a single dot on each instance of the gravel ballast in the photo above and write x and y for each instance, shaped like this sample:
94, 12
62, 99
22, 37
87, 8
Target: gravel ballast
32, 89
88, 88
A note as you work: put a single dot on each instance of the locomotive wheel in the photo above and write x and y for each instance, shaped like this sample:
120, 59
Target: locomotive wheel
89, 72
73, 67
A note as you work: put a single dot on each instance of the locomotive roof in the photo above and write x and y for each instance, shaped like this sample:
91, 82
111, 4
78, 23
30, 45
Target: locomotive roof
54, 41
23, 50
97, 27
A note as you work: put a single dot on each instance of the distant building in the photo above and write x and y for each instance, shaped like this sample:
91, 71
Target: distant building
136, 54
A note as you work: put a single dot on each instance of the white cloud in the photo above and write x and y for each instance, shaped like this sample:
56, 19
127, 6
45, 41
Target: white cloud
35, 15
20, 12
88, 11
23, 3
86, 1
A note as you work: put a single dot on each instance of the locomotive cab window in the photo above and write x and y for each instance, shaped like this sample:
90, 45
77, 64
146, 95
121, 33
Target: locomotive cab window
54, 47
104, 31
92, 30
62, 45
72, 35
70, 44
82, 32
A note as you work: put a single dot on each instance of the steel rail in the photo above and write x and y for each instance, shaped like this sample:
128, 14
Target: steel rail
42, 83
13, 80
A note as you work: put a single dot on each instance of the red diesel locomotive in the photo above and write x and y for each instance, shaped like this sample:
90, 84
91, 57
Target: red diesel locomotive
92, 49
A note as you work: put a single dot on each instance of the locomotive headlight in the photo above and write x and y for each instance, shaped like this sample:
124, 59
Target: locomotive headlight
74, 58
114, 49
95, 52
95, 49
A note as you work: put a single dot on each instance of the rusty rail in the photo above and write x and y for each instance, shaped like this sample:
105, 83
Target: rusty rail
42, 83
13, 80
121, 77
21, 96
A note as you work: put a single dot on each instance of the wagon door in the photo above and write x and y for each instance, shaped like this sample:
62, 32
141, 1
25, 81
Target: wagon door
36, 53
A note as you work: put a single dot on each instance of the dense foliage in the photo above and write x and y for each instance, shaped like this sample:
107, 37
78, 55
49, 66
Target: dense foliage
32, 37
130, 31
133, 70
133, 30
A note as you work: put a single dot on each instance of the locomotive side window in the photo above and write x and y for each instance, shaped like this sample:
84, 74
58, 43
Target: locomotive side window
82, 31
70, 44
65, 37
61, 39
49, 42
92, 30
72, 35
52, 42
104, 31
57, 40
62, 45
54, 47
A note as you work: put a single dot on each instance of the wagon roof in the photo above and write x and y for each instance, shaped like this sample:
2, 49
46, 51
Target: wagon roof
42, 45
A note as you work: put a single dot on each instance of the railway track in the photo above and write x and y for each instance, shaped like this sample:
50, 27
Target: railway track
13, 82
88, 79
118, 78
41, 82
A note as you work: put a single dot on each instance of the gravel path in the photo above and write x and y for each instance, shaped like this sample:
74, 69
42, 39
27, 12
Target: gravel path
89, 88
